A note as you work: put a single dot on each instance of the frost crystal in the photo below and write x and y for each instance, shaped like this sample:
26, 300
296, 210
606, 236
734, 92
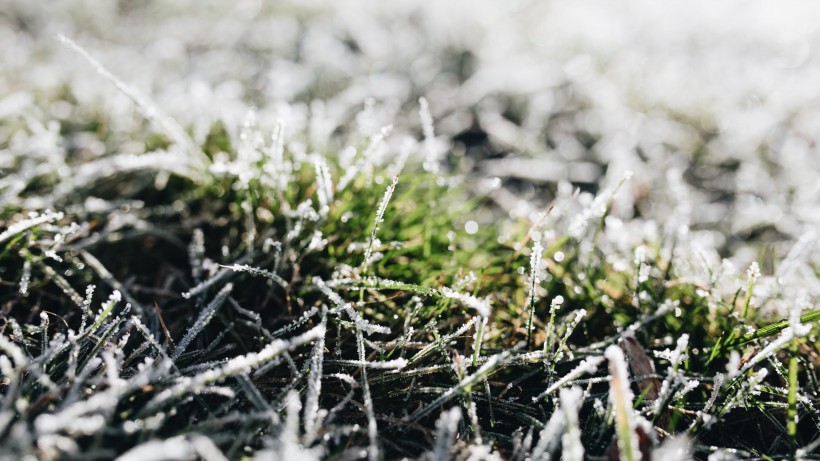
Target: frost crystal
26, 224
388, 193
621, 397
446, 430
202, 321
482, 306
571, 399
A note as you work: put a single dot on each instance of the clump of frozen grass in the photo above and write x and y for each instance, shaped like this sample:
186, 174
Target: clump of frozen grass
748, 389
149, 110
490, 365
342, 306
369, 356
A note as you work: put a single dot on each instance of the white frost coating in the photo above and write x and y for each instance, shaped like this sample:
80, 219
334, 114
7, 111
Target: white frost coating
532, 297
204, 285
236, 365
396, 364
26, 224
571, 399
485, 370
202, 321
579, 315
621, 397
173, 129
314, 389
290, 434
160, 450
82, 417
717, 384
431, 157
196, 253
482, 306
548, 437
388, 194
324, 184
688, 387
164, 161
277, 164
795, 331
180, 447
146, 333
445, 339
703, 414
246, 362
801, 250
596, 210
373, 451
535, 259
753, 272
733, 365
106, 309
672, 374
446, 430
478, 335
673, 449
7, 370
365, 325
257, 272
367, 157
86, 307
346, 378
112, 370
26, 278
207, 449
555, 304
587, 366
678, 355
13, 351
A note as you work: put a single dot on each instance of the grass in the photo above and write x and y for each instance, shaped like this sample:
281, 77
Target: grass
242, 335
273, 298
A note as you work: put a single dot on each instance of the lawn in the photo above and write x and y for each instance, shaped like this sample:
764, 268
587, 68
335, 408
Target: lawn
409, 230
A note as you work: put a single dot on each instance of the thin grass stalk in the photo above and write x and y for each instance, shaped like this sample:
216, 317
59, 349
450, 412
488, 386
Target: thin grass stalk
535, 260
621, 398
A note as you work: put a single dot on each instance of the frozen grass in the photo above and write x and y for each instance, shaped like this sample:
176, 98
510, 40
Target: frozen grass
332, 274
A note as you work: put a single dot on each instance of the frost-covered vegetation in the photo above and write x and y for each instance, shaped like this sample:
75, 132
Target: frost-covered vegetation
428, 230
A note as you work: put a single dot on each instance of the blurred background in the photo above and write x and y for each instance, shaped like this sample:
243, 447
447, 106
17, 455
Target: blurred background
715, 108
